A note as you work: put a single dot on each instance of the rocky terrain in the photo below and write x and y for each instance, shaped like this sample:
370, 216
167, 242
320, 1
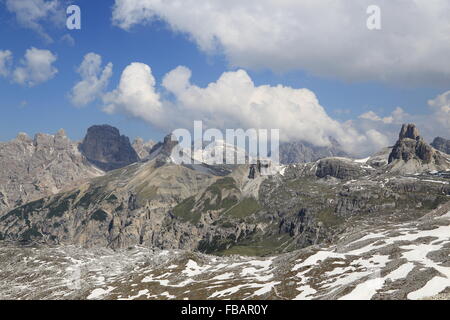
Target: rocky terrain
220, 210
355, 216
441, 144
38, 167
389, 261
143, 148
411, 154
33, 168
302, 152
107, 149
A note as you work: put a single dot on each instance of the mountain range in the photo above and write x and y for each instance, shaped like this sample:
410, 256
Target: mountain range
105, 193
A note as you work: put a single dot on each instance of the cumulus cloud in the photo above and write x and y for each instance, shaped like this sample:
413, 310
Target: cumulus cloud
440, 107
326, 38
136, 95
93, 80
433, 122
5, 62
35, 68
33, 14
397, 116
233, 101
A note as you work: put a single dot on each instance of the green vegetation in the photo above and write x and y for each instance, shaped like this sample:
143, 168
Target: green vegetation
184, 211
433, 204
328, 218
31, 233
111, 198
99, 215
245, 208
16, 212
24, 211
58, 209
89, 197
146, 192
35, 205
263, 247
217, 244
213, 198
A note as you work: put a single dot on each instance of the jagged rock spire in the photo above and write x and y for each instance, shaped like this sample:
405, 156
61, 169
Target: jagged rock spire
409, 131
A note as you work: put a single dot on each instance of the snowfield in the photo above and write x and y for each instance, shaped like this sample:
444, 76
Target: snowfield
403, 261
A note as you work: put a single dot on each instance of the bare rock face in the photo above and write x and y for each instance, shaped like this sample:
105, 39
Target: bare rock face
165, 147
338, 168
34, 168
143, 148
107, 149
411, 146
411, 154
409, 131
302, 152
441, 144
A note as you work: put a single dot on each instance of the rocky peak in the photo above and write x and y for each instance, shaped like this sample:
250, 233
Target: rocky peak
43, 139
409, 131
107, 149
38, 167
411, 146
303, 152
164, 147
441, 144
61, 134
23, 137
412, 154
143, 148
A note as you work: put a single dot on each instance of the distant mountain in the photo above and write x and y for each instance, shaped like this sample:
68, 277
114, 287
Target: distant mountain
441, 144
48, 164
34, 168
142, 147
346, 213
303, 152
107, 149
223, 210
411, 154
219, 150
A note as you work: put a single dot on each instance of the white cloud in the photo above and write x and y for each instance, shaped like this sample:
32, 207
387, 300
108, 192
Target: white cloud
33, 14
397, 116
5, 62
441, 111
93, 80
68, 39
136, 95
435, 121
233, 101
36, 67
327, 37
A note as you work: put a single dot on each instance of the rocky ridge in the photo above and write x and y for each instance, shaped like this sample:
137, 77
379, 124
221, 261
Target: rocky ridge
441, 144
143, 148
383, 262
34, 168
372, 230
219, 210
411, 154
107, 149
302, 152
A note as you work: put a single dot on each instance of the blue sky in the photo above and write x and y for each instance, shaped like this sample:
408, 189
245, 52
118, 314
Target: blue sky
46, 107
